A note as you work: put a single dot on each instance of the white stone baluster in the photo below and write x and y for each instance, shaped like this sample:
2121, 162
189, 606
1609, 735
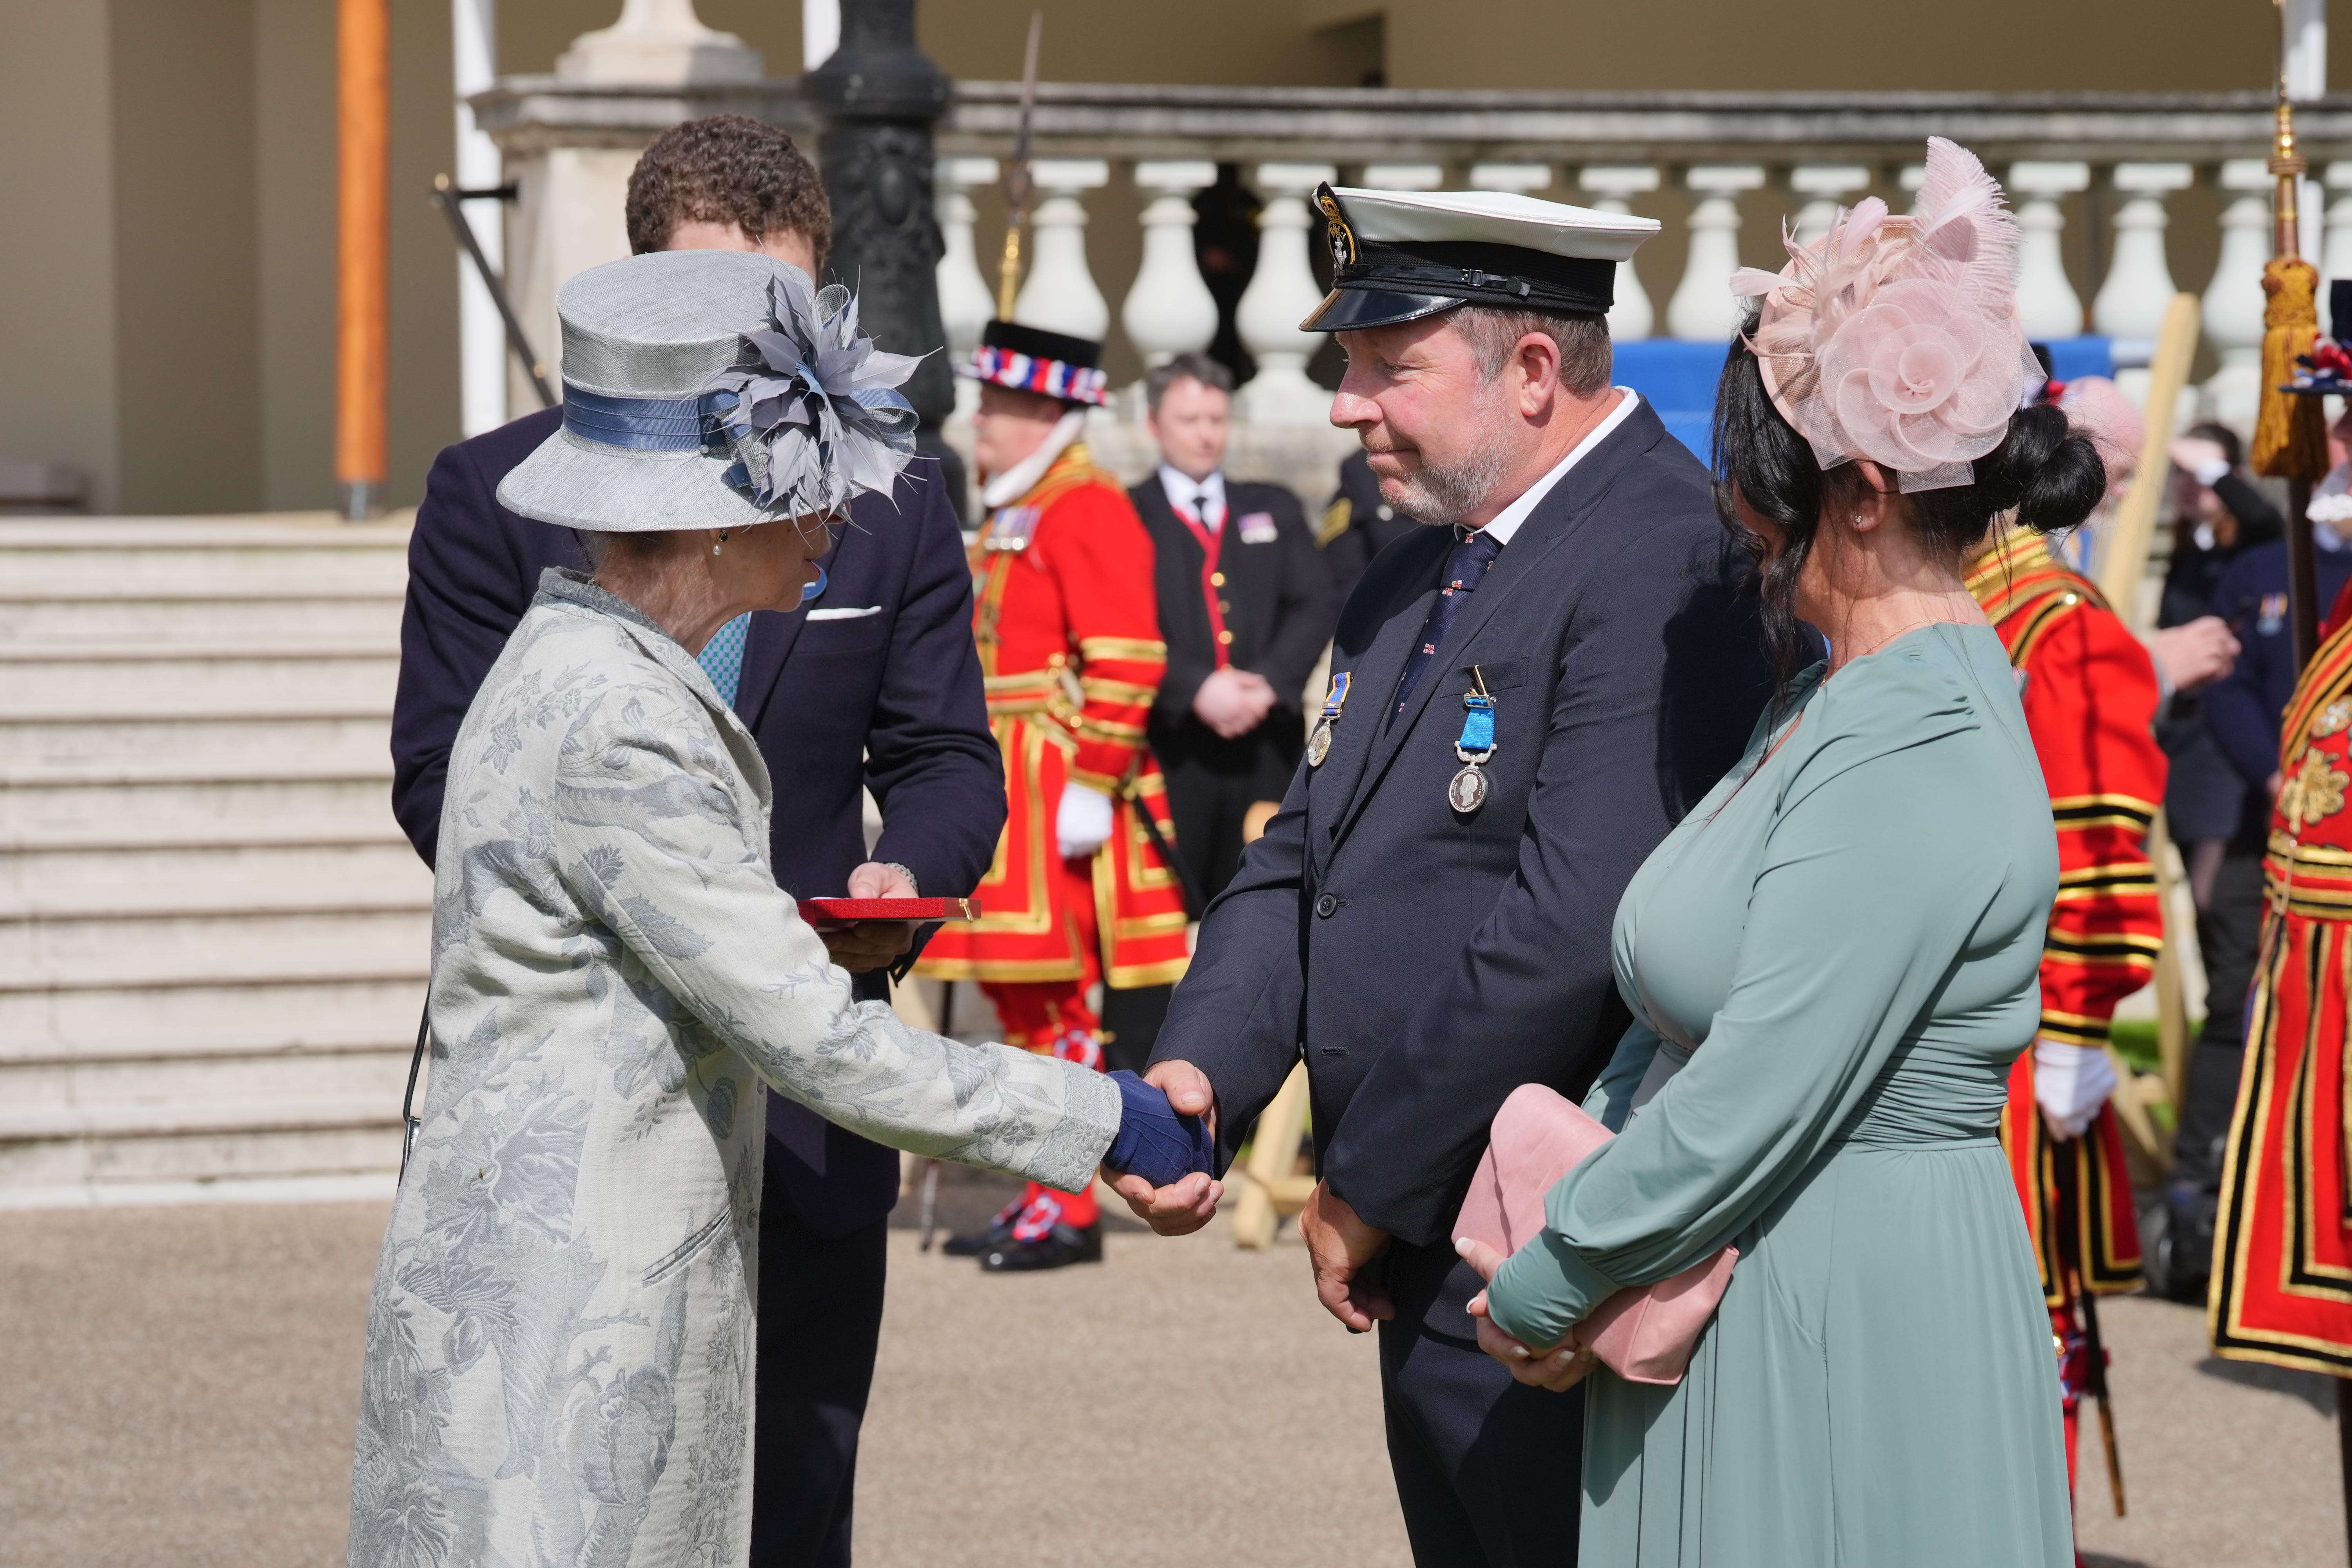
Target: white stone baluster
1829, 185
1519, 177
2335, 254
1914, 176
1403, 177
2138, 286
1170, 308
1281, 294
658, 41
2046, 298
1059, 294
1632, 318
2234, 299
966, 301
1703, 308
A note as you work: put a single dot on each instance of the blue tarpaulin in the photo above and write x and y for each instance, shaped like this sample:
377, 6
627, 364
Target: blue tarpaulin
1679, 378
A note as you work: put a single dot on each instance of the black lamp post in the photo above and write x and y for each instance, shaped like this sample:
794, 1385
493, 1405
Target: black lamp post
875, 101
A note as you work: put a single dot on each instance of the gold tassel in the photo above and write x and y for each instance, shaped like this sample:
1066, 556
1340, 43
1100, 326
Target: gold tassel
2291, 433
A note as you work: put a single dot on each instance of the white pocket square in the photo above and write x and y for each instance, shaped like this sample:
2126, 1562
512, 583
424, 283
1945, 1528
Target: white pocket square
845, 613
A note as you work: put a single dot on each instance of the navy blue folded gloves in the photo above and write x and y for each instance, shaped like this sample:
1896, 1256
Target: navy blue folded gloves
1153, 1141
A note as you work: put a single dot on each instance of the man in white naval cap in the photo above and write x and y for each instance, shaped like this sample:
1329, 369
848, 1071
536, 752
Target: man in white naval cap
1524, 697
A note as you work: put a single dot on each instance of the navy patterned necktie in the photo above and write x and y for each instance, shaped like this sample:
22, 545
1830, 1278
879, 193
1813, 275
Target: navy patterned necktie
1465, 570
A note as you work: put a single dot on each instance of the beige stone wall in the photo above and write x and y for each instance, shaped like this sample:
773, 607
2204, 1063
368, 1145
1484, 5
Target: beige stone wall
168, 178
56, 243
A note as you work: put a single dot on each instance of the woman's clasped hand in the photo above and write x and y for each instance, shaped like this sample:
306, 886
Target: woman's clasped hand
1155, 1142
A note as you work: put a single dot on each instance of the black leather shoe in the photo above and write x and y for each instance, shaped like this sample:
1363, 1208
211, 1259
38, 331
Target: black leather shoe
973, 1242
1058, 1248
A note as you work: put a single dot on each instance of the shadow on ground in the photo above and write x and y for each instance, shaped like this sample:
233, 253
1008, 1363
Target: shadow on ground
2315, 1389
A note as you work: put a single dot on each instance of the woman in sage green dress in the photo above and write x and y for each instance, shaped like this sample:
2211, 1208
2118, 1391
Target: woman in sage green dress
1832, 963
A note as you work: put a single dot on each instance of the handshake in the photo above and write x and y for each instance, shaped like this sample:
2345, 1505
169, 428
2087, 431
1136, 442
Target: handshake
1164, 1157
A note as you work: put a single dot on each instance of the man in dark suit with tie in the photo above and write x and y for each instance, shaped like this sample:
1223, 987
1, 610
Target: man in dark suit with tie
1524, 698
1245, 607
872, 685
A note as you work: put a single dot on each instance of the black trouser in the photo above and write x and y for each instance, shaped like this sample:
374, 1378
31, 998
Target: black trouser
819, 1317
2228, 935
1212, 782
1486, 1470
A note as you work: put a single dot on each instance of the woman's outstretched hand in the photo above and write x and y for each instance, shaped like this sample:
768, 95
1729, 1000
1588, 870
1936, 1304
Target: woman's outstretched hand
1559, 1369
1156, 1141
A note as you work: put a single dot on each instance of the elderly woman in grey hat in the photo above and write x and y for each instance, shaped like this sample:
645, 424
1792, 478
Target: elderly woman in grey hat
559, 1346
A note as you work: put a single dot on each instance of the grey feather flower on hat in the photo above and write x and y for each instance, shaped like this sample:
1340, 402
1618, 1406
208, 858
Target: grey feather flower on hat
817, 421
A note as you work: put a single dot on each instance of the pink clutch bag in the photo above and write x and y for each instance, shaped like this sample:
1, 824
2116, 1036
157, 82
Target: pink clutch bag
1643, 1333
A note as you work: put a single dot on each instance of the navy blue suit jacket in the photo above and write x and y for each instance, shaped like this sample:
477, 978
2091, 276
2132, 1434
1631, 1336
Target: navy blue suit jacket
2247, 706
891, 702
1428, 963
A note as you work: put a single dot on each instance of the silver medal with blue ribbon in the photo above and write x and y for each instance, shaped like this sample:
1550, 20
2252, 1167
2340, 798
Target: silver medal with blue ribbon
1318, 744
1467, 792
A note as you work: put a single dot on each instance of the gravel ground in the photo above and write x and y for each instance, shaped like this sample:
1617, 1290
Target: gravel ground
181, 1383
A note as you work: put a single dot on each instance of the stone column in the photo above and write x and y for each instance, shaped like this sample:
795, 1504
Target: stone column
1632, 318
1169, 310
1281, 294
481, 335
2234, 300
569, 142
1702, 309
1403, 177
2138, 286
875, 98
2336, 254
966, 301
1059, 294
2046, 298
1520, 178
1828, 184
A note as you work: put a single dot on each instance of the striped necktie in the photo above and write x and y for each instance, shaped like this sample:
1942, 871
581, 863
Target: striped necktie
1465, 570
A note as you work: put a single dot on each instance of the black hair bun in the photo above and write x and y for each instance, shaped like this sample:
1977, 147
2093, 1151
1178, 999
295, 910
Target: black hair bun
2046, 469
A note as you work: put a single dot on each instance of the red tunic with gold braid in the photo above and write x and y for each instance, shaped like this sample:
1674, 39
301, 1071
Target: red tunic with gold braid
2090, 694
2282, 1287
1068, 630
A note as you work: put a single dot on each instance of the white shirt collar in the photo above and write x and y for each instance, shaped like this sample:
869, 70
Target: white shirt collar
1506, 522
1183, 490
1022, 478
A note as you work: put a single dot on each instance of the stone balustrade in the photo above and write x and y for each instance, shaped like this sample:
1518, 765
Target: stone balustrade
1725, 170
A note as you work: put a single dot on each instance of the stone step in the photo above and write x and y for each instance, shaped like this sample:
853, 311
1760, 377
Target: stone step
349, 793
214, 897
93, 683
96, 555
233, 614
288, 832
382, 992
32, 747
165, 950
376, 1076
218, 1141
233, 874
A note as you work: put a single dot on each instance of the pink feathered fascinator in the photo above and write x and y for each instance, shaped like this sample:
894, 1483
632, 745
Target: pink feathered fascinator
1897, 339
1644, 1333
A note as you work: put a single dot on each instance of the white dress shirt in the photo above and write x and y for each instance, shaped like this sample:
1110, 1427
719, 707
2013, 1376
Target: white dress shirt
1506, 522
1184, 492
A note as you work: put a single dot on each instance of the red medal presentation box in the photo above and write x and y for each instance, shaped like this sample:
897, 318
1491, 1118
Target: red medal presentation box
846, 909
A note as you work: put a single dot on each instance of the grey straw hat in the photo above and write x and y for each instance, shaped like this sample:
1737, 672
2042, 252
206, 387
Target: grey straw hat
712, 389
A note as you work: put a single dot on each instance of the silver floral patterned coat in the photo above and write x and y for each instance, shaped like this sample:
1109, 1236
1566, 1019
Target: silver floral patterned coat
560, 1344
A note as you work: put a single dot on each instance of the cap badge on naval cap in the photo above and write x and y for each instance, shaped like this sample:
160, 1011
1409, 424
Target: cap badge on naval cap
1337, 233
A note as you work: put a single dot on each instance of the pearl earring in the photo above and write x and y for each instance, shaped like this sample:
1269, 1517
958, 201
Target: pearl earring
722, 539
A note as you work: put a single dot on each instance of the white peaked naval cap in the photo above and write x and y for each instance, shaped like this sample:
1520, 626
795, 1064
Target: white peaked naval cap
1398, 256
